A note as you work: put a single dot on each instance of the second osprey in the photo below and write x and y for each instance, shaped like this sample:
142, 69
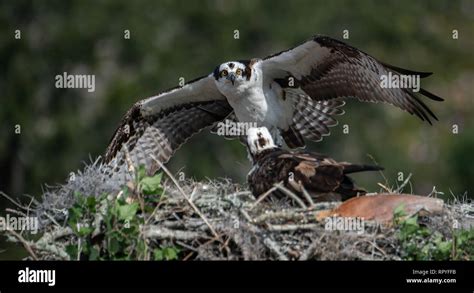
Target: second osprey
321, 177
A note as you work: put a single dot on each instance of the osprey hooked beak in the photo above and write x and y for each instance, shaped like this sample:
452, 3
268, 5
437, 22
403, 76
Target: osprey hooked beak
231, 77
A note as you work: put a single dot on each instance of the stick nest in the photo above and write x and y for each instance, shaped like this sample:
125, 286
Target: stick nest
224, 222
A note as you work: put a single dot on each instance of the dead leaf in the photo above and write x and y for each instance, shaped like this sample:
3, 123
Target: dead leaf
380, 208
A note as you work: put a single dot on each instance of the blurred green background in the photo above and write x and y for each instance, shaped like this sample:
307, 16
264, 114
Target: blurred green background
63, 128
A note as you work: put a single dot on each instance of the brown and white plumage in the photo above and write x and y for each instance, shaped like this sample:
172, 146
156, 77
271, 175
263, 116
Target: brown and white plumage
322, 177
327, 69
156, 127
295, 94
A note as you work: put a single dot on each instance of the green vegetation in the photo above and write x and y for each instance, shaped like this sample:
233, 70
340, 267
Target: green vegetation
109, 229
421, 243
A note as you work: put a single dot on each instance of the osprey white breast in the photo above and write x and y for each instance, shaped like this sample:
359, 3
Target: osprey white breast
253, 100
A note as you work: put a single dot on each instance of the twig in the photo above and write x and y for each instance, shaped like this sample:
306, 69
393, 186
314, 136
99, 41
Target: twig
79, 249
292, 227
275, 249
318, 206
380, 171
292, 195
157, 206
14, 202
239, 193
246, 215
25, 243
16, 212
384, 187
52, 236
29, 205
131, 168
52, 219
186, 246
43, 242
191, 224
400, 188
187, 199
285, 215
225, 245
377, 247
52, 248
307, 196
188, 256
263, 196
310, 250
157, 232
436, 192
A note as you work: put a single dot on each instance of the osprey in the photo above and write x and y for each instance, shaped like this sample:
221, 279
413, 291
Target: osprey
321, 177
294, 93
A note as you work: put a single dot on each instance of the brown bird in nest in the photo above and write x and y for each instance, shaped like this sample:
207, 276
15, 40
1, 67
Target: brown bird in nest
302, 173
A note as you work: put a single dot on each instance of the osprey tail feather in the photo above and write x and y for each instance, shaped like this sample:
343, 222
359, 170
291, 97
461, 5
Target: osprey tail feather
354, 168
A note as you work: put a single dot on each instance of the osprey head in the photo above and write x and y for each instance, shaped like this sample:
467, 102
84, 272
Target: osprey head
232, 73
259, 139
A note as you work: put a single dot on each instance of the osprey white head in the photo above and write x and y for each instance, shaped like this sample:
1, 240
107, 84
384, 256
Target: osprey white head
259, 139
232, 73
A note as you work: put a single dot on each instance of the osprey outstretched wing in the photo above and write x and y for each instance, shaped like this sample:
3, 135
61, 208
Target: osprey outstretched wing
327, 69
295, 94
159, 125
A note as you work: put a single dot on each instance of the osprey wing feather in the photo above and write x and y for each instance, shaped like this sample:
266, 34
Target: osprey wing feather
157, 126
327, 69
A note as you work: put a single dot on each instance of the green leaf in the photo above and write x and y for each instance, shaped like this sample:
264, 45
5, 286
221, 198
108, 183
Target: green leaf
125, 193
158, 254
91, 202
78, 196
170, 253
71, 249
84, 231
443, 247
411, 222
128, 211
94, 253
399, 212
167, 253
141, 246
74, 214
114, 246
151, 185
76, 211
141, 173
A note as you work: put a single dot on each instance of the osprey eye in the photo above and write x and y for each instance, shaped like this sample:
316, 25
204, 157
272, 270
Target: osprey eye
224, 72
238, 72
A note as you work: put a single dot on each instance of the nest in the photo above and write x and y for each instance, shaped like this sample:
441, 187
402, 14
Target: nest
220, 220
